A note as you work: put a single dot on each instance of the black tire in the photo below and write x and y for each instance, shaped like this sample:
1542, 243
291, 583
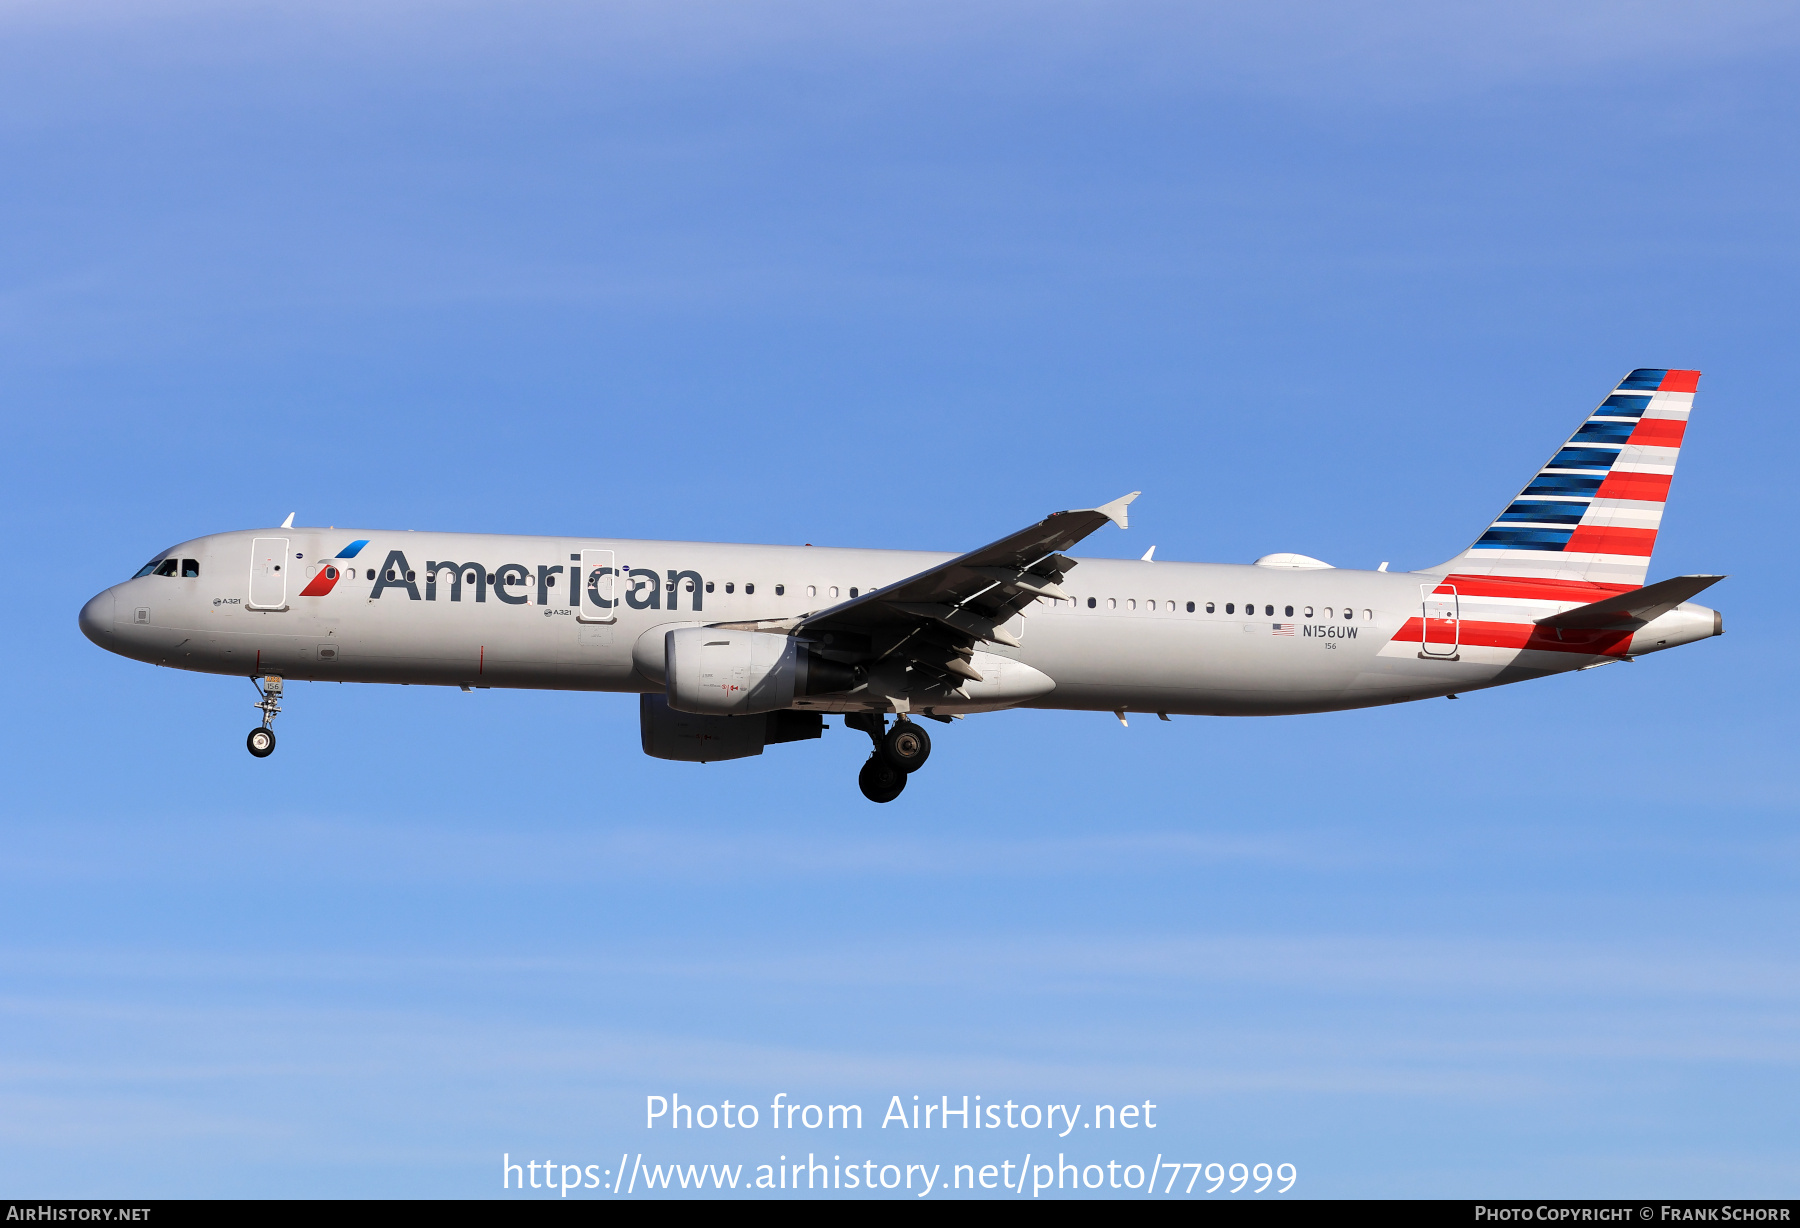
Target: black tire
907, 746
879, 780
261, 742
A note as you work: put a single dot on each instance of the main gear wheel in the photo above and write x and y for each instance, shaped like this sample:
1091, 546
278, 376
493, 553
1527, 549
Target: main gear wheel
880, 781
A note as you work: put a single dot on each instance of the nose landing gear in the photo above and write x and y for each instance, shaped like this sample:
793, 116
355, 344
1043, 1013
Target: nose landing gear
262, 739
898, 753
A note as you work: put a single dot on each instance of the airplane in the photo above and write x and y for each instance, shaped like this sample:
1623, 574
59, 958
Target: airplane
734, 648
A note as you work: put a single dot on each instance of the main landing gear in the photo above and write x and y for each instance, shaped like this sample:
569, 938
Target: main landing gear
262, 739
899, 752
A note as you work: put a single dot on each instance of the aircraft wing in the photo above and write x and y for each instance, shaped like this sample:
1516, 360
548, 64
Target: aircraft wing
938, 617
1631, 609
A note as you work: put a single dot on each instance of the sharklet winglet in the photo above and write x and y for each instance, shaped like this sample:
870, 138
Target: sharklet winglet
1115, 511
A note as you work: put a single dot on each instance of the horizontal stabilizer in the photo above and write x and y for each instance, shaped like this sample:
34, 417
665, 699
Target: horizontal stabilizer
1634, 608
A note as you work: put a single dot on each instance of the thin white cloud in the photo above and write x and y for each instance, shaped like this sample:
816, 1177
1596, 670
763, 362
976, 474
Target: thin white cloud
350, 851
1373, 51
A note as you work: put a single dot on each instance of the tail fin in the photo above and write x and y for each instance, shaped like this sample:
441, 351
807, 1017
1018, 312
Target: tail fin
1592, 511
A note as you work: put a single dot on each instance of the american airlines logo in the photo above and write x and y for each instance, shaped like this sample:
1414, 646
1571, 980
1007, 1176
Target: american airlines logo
329, 574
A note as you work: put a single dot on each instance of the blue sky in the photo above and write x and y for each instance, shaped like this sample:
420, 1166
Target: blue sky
1332, 279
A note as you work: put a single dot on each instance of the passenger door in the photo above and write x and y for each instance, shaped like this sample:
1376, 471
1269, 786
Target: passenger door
598, 587
268, 573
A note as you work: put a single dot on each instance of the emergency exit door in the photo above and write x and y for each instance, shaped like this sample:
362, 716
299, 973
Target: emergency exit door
268, 573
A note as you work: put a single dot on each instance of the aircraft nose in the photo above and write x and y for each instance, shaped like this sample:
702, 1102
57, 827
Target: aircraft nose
97, 619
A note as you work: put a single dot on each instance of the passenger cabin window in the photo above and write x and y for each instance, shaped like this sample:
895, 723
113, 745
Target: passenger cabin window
730, 587
1190, 607
709, 586
1349, 613
1230, 607
1131, 603
1268, 611
1308, 613
812, 590
780, 589
1328, 613
1112, 603
1209, 608
1289, 611
1092, 602
749, 589
854, 591
832, 591
1368, 616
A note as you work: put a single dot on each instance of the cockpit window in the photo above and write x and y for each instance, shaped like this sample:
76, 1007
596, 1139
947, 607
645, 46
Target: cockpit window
165, 568
190, 568
146, 569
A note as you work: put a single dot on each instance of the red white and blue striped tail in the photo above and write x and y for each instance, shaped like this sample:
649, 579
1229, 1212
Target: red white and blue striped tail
1592, 512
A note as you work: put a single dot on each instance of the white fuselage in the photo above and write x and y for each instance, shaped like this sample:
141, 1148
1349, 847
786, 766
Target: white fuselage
1205, 639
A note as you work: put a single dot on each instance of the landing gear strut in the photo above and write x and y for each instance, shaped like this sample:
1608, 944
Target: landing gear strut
898, 753
262, 739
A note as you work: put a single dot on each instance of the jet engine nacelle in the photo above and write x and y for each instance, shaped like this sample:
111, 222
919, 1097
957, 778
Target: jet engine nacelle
712, 672
687, 738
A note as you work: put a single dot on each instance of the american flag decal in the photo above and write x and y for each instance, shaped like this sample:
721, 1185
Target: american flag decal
1283, 628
